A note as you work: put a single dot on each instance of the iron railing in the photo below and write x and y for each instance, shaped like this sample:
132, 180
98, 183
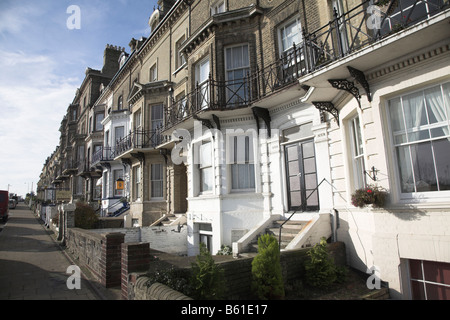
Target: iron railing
344, 34
138, 139
103, 154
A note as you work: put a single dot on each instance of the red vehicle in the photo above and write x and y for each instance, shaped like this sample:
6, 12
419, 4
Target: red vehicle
4, 205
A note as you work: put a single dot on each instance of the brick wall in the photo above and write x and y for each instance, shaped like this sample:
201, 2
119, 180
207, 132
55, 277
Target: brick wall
238, 273
100, 253
135, 257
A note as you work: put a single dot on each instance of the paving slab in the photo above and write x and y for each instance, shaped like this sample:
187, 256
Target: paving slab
32, 265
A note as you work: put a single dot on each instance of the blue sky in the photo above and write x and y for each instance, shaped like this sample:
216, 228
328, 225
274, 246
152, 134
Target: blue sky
42, 63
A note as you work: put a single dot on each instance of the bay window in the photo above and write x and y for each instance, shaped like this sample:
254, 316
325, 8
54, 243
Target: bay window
205, 167
357, 154
237, 66
242, 163
421, 138
156, 180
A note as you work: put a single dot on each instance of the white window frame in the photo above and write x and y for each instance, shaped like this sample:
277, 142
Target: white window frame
297, 20
421, 196
154, 180
218, 7
203, 83
229, 68
200, 166
153, 73
180, 59
235, 157
137, 183
357, 153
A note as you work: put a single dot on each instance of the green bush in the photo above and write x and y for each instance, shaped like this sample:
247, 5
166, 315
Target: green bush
207, 278
320, 268
85, 216
266, 269
177, 279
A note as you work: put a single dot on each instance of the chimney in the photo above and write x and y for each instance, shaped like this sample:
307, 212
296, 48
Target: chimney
111, 60
165, 5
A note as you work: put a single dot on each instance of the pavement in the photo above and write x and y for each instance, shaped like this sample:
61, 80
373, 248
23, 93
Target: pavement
32, 264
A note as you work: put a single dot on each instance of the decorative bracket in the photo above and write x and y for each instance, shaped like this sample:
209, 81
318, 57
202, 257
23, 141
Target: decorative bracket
216, 121
344, 84
126, 161
361, 79
204, 122
328, 107
164, 153
262, 113
140, 156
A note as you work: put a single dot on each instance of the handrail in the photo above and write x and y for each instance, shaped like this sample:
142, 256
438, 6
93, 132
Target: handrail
288, 219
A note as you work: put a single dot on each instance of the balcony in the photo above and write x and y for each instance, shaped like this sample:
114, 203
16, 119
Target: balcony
104, 154
138, 140
342, 38
70, 167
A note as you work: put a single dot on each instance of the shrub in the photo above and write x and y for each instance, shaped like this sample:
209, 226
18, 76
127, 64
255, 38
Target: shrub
320, 268
225, 251
266, 269
85, 216
207, 278
369, 195
177, 279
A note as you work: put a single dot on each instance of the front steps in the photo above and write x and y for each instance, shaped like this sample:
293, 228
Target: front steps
295, 234
171, 220
289, 231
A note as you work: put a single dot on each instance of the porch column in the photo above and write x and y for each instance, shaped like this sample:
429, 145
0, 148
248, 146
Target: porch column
323, 167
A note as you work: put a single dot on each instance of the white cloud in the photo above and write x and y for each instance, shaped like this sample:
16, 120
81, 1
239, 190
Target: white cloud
33, 101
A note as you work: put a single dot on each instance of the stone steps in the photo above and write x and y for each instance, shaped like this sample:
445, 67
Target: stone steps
289, 231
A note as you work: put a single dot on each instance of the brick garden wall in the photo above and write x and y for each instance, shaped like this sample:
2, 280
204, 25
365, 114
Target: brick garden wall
238, 273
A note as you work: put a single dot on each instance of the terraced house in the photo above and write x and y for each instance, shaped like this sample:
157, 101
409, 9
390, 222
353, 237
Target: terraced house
248, 116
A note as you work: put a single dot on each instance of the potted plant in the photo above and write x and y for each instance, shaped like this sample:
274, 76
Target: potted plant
369, 195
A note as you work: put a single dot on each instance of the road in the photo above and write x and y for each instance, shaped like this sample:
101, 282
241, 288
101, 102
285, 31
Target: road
32, 265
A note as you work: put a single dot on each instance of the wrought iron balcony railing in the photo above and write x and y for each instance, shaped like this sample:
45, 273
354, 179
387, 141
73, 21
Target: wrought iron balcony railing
104, 154
346, 33
138, 139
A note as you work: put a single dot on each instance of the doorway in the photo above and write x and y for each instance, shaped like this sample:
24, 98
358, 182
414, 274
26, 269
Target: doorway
301, 176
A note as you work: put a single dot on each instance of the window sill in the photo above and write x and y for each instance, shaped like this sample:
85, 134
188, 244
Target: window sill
179, 69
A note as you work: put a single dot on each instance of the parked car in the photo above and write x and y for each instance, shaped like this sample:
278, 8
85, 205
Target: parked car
4, 205
12, 203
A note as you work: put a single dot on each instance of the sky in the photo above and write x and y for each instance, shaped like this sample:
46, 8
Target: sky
45, 48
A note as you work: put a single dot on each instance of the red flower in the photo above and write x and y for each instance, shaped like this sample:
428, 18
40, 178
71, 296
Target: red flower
369, 191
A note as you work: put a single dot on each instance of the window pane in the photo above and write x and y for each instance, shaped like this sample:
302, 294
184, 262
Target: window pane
313, 199
206, 179
205, 155
308, 149
296, 198
415, 267
414, 108
396, 113
435, 105
441, 150
423, 164
406, 172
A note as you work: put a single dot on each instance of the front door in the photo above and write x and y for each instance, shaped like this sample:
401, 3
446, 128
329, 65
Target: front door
301, 176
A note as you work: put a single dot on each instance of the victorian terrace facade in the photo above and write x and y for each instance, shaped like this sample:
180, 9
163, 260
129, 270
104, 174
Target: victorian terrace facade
249, 116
